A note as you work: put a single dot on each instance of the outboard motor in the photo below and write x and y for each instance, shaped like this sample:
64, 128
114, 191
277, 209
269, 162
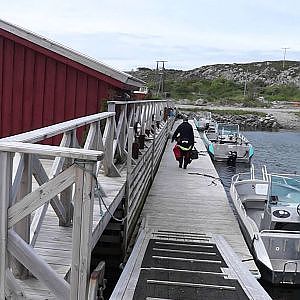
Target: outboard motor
232, 156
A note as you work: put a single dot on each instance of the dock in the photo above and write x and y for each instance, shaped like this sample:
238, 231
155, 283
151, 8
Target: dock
57, 201
111, 181
190, 246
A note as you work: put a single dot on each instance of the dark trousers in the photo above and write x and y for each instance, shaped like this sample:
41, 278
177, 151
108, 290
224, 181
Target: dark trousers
185, 158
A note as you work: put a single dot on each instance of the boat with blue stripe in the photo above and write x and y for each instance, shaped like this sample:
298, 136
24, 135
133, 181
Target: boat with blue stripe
224, 142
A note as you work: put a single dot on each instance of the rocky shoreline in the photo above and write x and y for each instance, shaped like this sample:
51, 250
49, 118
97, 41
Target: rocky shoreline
256, 119
249, 121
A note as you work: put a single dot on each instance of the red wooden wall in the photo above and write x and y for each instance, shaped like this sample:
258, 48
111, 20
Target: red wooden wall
40, 88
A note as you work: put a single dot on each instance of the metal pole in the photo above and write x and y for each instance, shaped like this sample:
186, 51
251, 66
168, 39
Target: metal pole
284, 55
245, 84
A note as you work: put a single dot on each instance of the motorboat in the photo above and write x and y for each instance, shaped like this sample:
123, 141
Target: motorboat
268, 211
224, 142
203, 121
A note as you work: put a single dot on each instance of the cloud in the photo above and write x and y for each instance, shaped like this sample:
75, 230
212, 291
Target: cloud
186, 33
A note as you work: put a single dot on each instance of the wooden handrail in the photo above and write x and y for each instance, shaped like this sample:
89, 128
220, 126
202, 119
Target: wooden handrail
106, 143
55, 151
138, 102
53, 130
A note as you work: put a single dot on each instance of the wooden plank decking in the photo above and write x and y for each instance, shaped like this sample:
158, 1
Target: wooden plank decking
181, 200
191, 201
29, 219
54, 243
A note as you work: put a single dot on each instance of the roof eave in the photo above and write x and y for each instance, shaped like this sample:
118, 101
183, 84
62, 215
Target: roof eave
71, 54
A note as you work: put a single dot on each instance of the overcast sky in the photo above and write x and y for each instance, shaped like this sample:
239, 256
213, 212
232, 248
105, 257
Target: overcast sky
127, 34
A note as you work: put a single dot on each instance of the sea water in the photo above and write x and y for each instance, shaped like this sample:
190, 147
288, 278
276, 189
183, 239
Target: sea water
280, 152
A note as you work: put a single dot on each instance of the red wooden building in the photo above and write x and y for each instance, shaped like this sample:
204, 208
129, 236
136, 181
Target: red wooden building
43, 83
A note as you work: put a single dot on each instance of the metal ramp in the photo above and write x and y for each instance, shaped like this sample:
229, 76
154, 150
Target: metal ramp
171, 265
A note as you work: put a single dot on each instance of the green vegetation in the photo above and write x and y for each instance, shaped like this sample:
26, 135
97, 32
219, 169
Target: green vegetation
211, 90
225, 91
281, 93
225, 112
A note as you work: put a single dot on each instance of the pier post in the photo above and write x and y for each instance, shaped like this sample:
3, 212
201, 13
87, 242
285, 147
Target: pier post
153, 151
109, 143
128, 184
23, 227
82, 229
5, 195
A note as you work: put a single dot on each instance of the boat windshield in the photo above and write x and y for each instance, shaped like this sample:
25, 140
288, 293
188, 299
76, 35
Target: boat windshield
285, 189
228, 129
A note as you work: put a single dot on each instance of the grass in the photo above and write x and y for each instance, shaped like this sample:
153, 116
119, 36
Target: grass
225, 112
297, 113
221, 90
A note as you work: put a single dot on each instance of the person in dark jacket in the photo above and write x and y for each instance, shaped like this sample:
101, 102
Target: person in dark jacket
184, 136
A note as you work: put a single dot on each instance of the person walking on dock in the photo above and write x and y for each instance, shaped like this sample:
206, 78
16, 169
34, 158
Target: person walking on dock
184, 136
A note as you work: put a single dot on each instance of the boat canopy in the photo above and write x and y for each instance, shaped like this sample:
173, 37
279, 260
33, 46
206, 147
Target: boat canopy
227, 129
284, 189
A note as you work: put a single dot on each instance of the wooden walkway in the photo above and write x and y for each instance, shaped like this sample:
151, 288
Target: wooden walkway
182, 200
50, 212
54, 242
183, 205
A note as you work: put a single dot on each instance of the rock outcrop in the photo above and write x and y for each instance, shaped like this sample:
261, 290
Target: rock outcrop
268, 73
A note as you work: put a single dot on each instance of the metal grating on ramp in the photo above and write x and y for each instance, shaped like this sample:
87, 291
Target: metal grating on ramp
184, 266
172, 265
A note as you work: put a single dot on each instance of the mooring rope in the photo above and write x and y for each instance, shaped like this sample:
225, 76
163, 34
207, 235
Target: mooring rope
99, 194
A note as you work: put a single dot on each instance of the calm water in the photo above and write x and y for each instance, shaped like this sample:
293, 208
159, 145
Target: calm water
280, 152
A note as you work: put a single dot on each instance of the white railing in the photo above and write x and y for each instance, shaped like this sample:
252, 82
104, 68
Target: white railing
145, 123
88, 146
15, 216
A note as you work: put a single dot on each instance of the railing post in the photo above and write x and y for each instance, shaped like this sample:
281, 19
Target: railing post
23, 227
66, 199
153, 151
109, 143
82, 229
128, 184
5, 195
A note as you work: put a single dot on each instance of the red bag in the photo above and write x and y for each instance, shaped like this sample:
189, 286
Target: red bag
177, 152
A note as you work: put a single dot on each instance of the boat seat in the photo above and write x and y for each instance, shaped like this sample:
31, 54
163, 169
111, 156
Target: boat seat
255, 203
254, 197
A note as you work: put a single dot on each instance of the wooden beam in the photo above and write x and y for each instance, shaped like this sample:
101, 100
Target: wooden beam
109, 136
90, 139
23, 226
5, 183
41, 177
40, 269
82, 230
47, 132
18, 161
15, 291
40, 196
47, 150
97, 279
59, 161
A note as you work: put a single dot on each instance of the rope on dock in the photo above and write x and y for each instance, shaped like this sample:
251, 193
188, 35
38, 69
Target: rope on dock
207, 175
98, 189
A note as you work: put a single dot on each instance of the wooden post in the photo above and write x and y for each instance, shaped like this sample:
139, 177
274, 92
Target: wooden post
38, 267
66, 200
66, 195
109, 143
122, 134
153, 152
23, 227
128, 183
82, 229
5, 182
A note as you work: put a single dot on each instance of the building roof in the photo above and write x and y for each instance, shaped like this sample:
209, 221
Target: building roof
71, 54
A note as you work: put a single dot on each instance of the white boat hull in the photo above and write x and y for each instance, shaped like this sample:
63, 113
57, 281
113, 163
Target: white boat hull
276, 252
